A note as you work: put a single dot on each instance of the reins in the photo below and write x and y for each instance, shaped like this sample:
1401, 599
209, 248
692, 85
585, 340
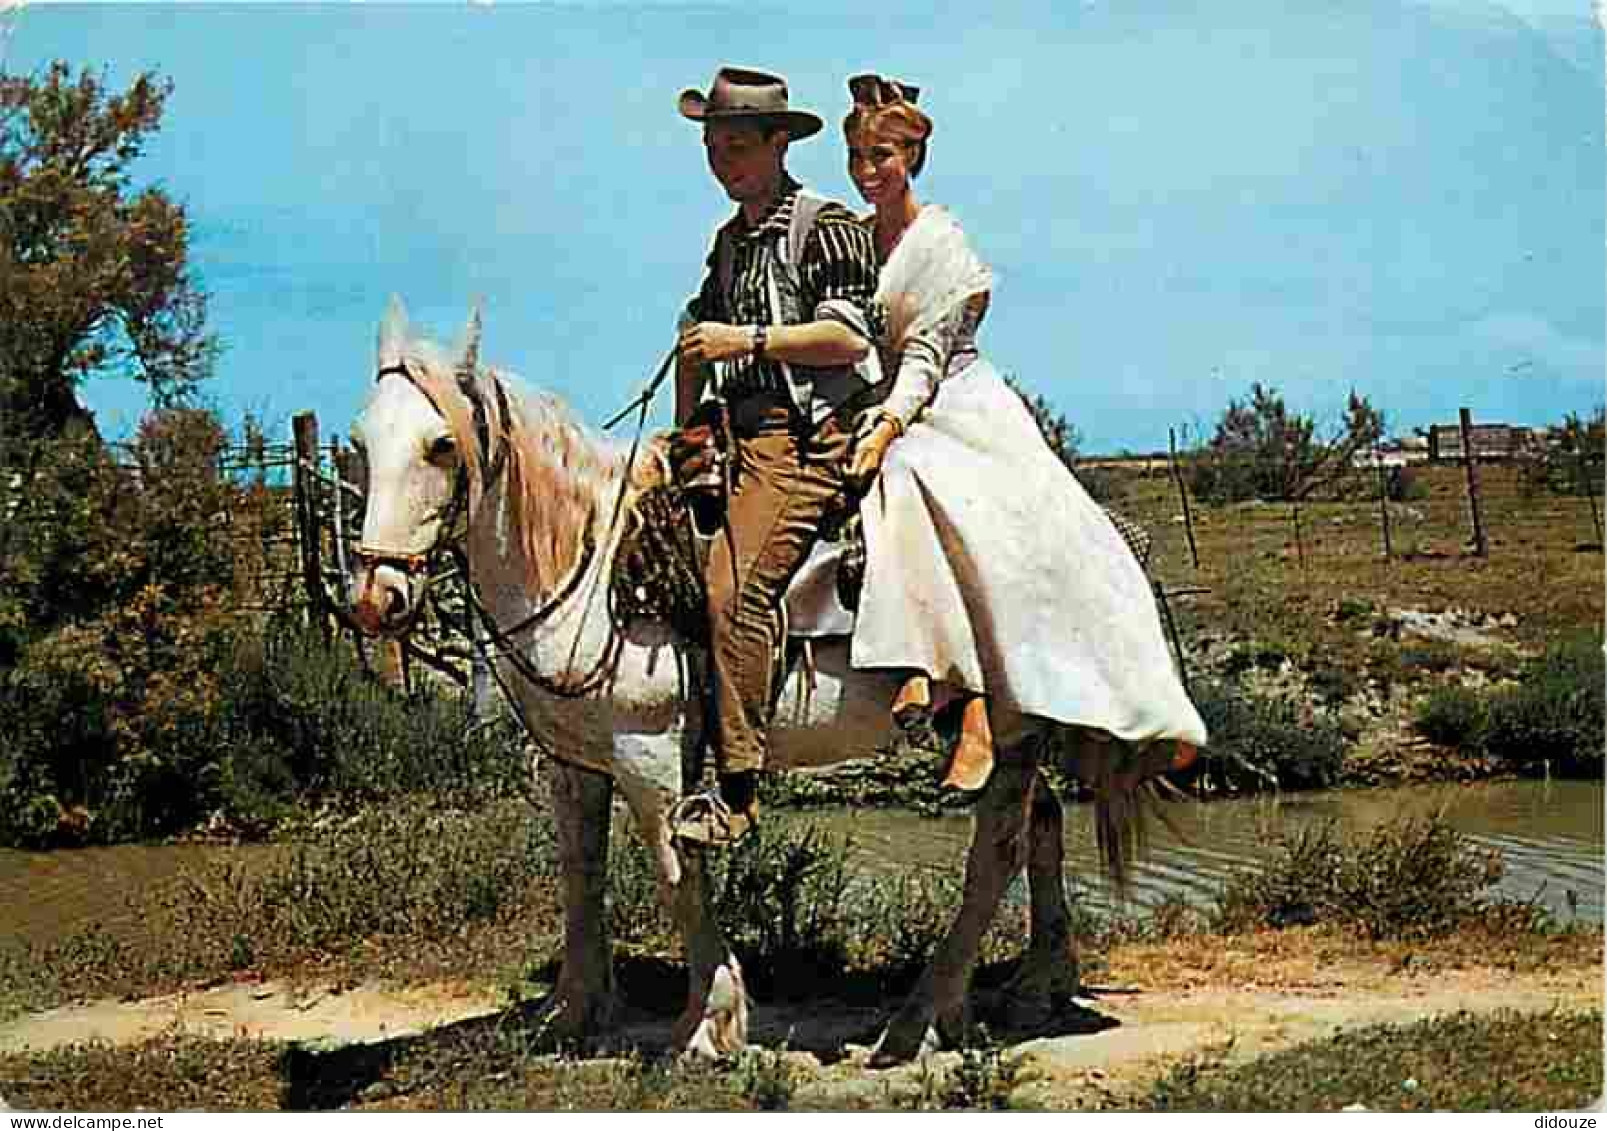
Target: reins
498, 641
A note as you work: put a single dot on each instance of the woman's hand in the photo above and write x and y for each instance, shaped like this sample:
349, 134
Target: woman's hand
715, 341
875, 436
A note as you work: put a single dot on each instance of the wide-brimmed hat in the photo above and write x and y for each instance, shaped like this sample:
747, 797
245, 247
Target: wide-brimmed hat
738, 93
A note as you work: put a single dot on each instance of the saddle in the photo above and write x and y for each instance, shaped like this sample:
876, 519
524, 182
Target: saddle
659, 569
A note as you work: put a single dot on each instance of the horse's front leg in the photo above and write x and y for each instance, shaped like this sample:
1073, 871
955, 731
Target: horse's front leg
714, 1022
936, 1009
584, 1001
1049, 969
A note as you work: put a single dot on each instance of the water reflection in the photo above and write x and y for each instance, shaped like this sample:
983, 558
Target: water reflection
1549, 833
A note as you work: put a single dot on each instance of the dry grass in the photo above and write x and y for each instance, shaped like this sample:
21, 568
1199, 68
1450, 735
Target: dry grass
1262, 586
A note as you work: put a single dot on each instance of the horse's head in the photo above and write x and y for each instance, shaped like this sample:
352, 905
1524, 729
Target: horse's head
421, 449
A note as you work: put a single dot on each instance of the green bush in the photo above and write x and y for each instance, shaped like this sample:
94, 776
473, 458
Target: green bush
1259, 741
1407, 879
1455, 716
308, 716
114, 626
1554, 715
145, 723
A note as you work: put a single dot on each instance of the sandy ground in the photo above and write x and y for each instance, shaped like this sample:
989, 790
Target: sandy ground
1117, 1037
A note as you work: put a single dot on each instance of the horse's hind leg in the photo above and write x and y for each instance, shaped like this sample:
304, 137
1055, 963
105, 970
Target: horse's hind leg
583, 1002
1049, 968
998, 850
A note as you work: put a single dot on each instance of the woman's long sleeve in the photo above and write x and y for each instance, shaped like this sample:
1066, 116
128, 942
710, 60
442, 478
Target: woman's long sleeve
920, 368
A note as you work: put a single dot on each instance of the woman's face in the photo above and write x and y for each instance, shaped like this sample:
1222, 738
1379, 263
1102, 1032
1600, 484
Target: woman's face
879, 166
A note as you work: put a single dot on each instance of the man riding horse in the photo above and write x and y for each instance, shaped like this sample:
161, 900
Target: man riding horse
779, 335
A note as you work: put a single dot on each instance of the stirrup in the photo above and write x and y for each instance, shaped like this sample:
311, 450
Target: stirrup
705, 819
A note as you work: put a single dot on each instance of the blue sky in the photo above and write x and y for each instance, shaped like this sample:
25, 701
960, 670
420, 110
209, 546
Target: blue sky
1178, 198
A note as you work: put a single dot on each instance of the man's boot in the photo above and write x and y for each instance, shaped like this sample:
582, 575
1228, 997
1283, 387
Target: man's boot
972, 762
720, 817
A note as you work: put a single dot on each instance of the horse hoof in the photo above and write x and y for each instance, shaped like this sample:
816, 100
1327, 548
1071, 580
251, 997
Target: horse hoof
894, 1049
562, 1019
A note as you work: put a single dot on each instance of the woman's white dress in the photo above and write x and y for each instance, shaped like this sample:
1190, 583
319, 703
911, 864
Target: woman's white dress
988, 566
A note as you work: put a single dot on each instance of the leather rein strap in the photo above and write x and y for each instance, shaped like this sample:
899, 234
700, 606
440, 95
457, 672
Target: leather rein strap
498, 641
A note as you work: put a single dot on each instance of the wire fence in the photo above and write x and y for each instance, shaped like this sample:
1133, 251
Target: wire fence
326, 507
313, 562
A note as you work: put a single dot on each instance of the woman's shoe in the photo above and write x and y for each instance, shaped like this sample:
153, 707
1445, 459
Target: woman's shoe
972, 762
912, 706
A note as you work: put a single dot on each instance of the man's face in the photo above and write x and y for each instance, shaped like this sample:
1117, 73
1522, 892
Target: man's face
743, 160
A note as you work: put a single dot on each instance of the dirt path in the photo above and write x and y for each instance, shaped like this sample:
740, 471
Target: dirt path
1119, 1037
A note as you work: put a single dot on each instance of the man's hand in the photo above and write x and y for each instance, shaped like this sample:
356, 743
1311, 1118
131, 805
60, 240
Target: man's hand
715, 341
875, 436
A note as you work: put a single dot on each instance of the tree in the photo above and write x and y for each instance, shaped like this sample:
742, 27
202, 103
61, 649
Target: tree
1060, 434
1065, 440
94, 271
1569, 462
1262, 450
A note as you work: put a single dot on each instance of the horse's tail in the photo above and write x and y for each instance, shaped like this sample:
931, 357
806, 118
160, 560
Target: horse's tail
1122, 804
1125, 780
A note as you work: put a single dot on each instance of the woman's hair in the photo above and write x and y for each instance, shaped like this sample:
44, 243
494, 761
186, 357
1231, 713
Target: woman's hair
885, 107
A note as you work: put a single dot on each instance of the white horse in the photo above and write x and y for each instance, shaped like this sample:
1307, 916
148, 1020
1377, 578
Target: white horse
456, 458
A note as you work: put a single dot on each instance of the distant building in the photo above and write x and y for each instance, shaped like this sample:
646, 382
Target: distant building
1490, 441
1393, 453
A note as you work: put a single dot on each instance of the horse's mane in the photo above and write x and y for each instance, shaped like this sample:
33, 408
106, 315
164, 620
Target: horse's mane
562, 478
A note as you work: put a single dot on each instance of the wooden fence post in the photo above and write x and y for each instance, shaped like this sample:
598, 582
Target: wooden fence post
1383, 499
1300, 542
1590, 485
304, 478
1481, 546
1183, 493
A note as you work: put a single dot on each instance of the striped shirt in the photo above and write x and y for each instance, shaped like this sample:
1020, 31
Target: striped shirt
838, 262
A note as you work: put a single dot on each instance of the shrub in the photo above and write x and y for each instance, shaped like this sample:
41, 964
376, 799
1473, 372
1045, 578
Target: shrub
1261, 450
1553, 715
766, 1079
1555, 712
1454, 716
1352, 609
782, 905
147, 721
1406, 879
1259, 740
113, 627
308, 716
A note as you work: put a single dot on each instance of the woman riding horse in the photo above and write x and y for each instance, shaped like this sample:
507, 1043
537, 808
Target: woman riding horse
990, 573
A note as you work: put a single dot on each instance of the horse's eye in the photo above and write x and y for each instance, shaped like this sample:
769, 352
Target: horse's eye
443, 449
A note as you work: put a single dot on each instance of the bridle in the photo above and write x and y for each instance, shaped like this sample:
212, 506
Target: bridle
414, 563
498, 641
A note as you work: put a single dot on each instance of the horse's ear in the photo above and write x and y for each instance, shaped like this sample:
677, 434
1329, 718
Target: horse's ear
469, 355
392, 333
